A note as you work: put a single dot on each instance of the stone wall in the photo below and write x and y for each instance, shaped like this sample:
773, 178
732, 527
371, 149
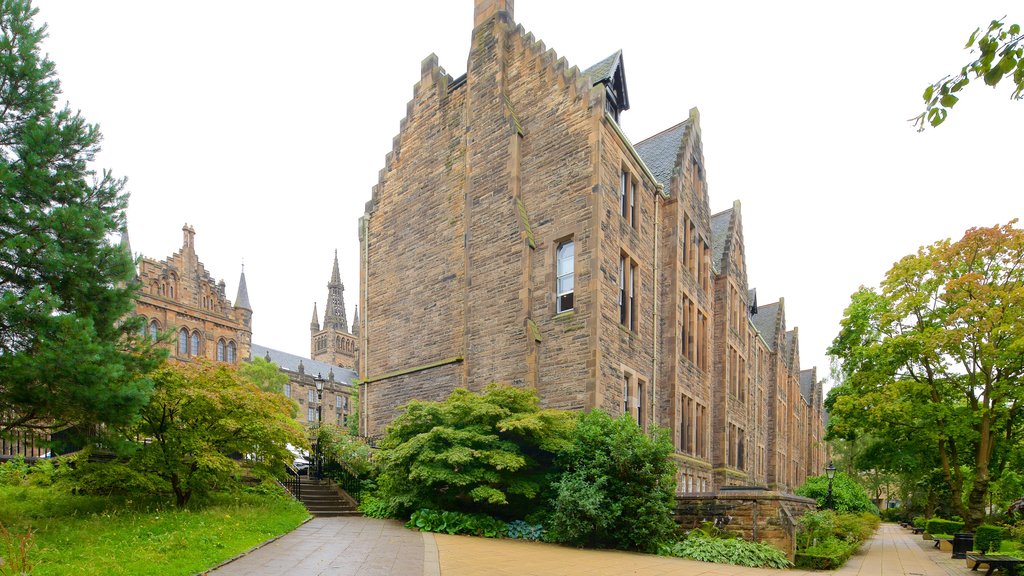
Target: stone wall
756, 515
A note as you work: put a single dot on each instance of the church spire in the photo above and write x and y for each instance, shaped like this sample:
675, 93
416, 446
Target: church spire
334, 316
314, 325
242, 299
355, 322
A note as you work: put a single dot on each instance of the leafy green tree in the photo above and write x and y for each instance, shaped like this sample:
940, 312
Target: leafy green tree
617, 486
847, 494
943, 343
488, 452
1000, 55
69, 352
200, 416
266, 375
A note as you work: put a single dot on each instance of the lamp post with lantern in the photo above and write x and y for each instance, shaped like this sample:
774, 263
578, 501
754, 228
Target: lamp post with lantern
318, 461
830, 473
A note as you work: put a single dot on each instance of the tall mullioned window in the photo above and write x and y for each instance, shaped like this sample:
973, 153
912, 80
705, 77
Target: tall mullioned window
194, 351
565, 256
221, 350
231, 352
183, 342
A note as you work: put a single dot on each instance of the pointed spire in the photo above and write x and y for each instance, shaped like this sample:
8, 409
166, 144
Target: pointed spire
335, 275
355, 321
242, 299
314, 324
127, 247
334, 315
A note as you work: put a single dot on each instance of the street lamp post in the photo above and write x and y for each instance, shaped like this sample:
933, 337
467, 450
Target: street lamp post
830, 473
318, 462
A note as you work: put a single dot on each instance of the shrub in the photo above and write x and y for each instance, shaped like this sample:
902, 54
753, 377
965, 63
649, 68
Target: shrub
940, 526
828, 554
697, 546
522, 530
847, 495
13, 472
858, 527
988, 537
617, 488
450, 522
918, 521
473, 452
817, 527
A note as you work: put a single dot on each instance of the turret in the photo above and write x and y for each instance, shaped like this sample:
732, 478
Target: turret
334, 315
355, 322
314, 324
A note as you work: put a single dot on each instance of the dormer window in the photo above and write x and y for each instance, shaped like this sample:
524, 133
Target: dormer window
611, 74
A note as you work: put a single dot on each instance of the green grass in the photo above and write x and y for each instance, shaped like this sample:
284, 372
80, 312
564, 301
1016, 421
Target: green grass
95, 535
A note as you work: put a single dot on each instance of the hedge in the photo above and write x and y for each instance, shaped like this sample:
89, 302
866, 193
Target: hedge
940, 526
988, 537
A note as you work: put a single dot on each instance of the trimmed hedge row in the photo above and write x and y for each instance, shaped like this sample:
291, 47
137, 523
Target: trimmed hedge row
988, 537
940, 526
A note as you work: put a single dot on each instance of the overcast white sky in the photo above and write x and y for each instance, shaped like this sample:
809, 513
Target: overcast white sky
264, 125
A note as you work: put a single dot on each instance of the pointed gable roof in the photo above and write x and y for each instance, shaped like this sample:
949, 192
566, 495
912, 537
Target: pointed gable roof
807, 385
661, 152
721, 223
612, 73
765, 321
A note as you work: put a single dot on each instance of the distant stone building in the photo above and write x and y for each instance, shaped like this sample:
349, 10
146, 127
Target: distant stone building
333, 343
179, 293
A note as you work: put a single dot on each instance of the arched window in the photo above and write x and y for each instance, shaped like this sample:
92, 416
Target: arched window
231, 352
195, 344
220, 350
183, 342
153, 329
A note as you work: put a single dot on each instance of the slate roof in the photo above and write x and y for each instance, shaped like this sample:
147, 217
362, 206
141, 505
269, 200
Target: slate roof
603, 70
312, 367
807, 385
242, 298
660, 152
764, 322
719, 237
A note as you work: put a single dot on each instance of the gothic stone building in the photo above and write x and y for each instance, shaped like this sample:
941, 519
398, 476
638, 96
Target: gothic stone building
516, 235
180, 295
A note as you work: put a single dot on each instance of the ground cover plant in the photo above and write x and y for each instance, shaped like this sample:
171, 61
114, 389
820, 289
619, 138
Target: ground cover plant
709, 544
89, 535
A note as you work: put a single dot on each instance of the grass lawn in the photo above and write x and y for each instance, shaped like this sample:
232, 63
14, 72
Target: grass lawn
95, 535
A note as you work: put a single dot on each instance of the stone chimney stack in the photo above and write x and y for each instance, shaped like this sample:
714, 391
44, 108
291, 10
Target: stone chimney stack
484, 9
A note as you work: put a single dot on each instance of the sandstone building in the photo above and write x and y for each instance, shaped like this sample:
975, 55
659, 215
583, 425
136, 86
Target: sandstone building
517, 235
178, 294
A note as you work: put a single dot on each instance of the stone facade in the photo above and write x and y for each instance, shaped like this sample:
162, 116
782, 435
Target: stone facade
334, 344
335, 403
179, 294
516, 235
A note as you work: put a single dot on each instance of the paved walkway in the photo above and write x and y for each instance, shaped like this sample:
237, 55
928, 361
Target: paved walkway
346, 546
368, 547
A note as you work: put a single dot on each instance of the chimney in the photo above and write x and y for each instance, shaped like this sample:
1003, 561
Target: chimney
485, 9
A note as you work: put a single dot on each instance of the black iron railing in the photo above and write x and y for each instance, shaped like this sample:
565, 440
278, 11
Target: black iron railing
292, 482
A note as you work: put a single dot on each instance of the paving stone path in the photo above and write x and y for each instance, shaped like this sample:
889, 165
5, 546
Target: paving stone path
343, 546
367, 547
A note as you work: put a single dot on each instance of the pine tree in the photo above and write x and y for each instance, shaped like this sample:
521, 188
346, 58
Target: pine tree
70, 353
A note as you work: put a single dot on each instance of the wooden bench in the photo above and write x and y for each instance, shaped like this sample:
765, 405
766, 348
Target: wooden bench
1008, 562
939, 541
917, 529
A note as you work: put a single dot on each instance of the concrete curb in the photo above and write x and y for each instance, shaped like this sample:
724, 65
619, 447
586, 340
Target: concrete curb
254, 548
431, 562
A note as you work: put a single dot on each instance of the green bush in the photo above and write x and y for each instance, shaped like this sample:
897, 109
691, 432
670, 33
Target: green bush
450, 522
918, 521
940, 526
988, 537
697, 546
890, 515
488, 452
617, 488
817, 527
857, 527
14, 472
847, 495
828, 554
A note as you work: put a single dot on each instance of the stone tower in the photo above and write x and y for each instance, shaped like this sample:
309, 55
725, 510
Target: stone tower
333, 343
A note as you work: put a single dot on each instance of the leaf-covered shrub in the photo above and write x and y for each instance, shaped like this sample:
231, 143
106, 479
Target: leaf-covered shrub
826, 539
847, 495
522, 530
919, 521
13, 472
488, 452
827, 554
697, 546
617, 488
988, 537
450, 522
940, 526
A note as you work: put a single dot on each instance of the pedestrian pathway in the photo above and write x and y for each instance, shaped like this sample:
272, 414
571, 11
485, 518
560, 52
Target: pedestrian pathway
341, 546
367, 547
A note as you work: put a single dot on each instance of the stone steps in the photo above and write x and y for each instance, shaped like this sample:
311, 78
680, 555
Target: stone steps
323, 498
